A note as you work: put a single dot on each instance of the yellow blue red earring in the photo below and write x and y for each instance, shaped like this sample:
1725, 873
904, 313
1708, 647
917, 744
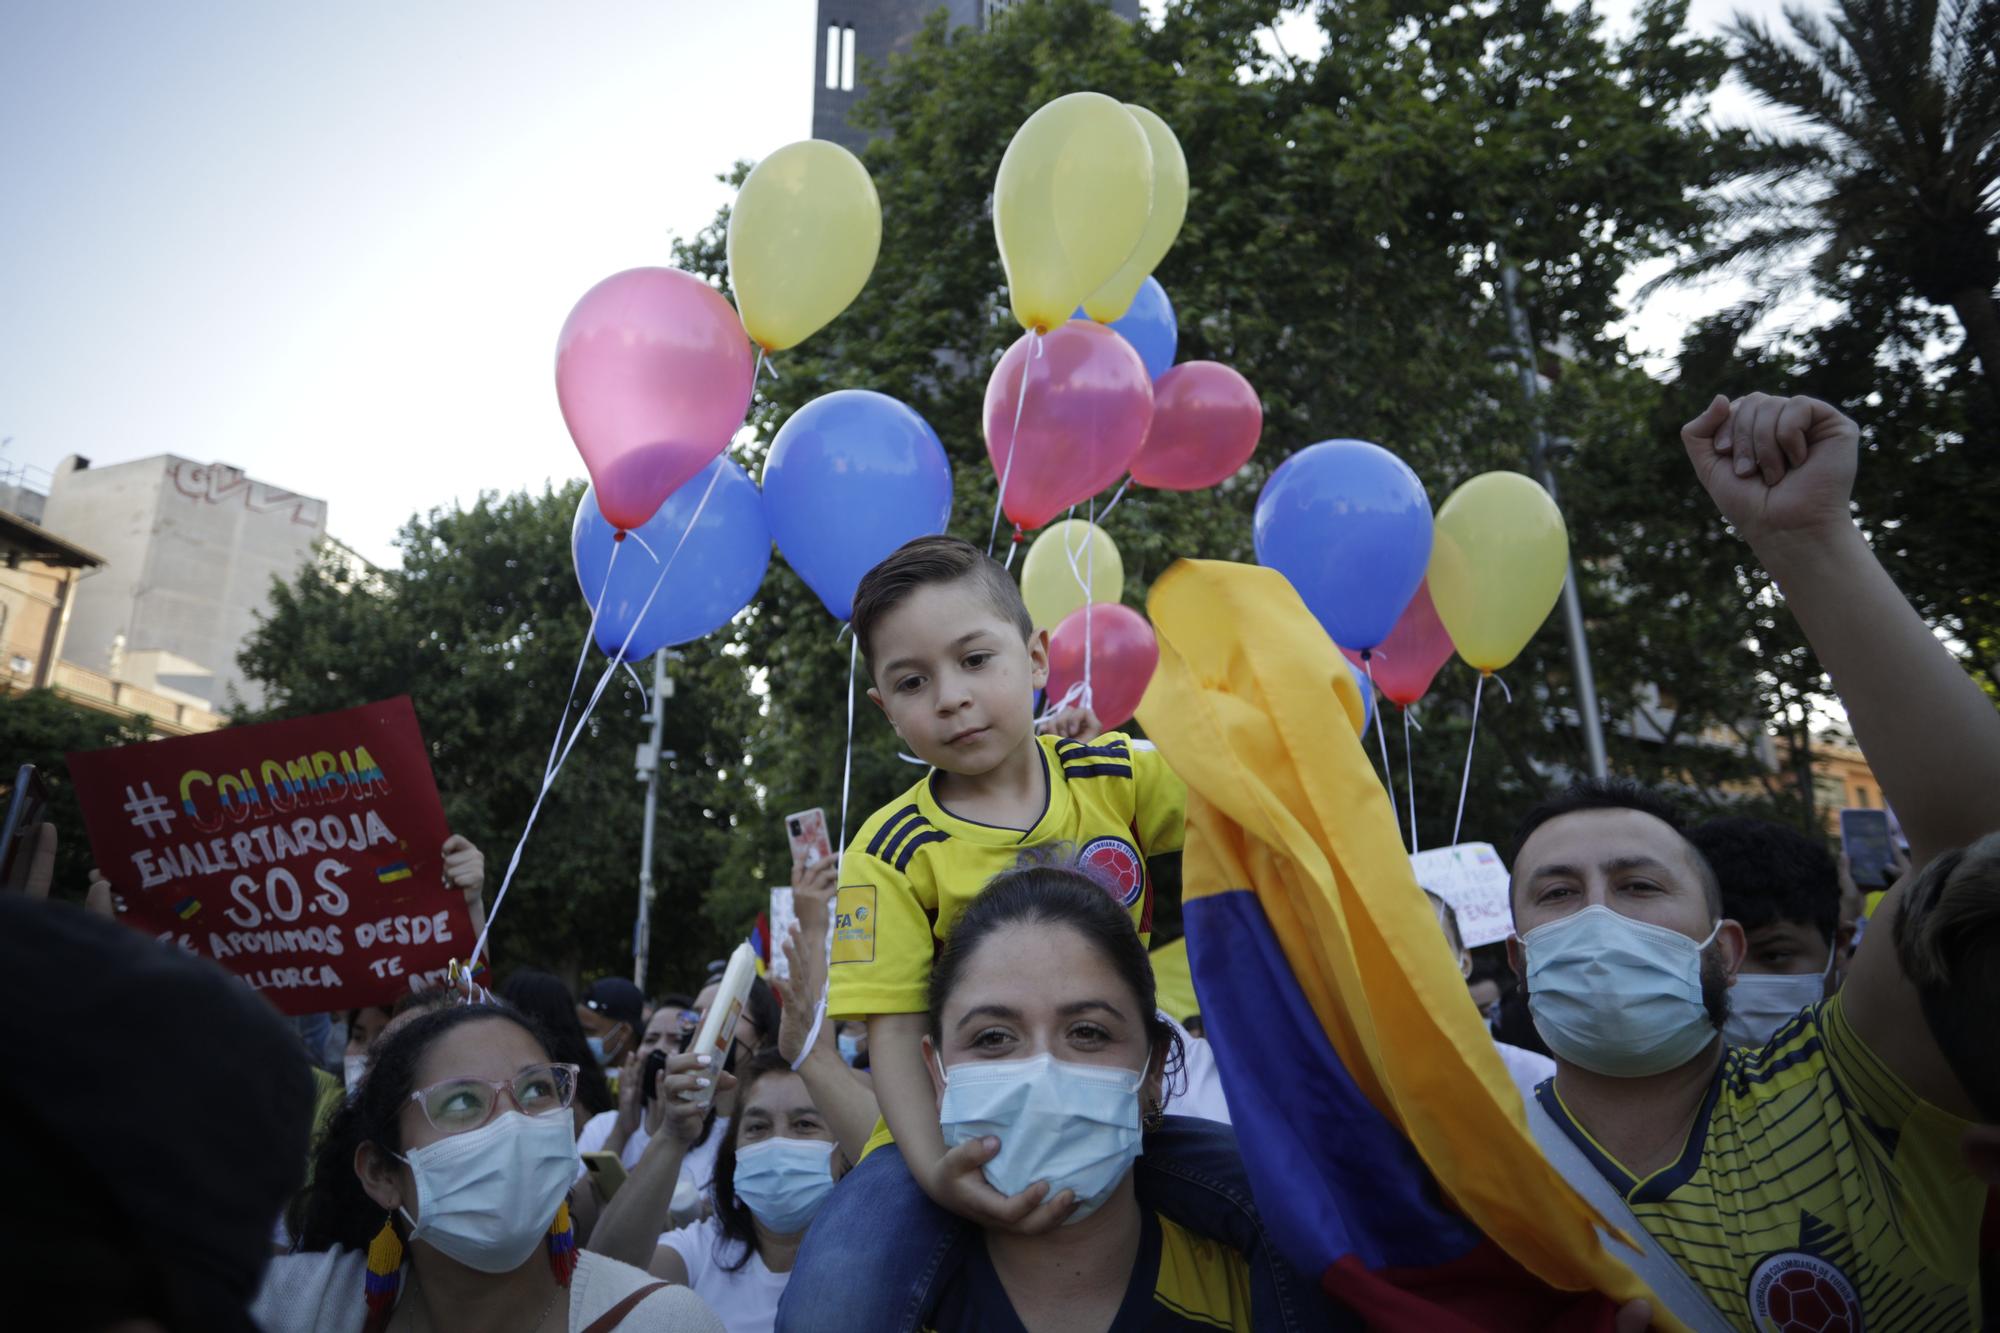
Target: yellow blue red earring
562, 1245
385, 1275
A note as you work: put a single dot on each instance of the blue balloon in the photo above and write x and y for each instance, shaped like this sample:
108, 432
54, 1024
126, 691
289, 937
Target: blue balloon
1349, 524
1149, 326
715, 574
851, 477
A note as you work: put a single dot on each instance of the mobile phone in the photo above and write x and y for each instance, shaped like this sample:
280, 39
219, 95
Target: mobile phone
806, 831
27, 808
1864, 836
649, 1072
606, 1171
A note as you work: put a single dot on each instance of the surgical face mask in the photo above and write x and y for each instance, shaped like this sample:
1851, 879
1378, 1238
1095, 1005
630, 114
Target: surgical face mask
486, 1197
1616, 996
596, 1045
1760, 1003
352, 1067
850, 1046
784, 1181
1073, 1125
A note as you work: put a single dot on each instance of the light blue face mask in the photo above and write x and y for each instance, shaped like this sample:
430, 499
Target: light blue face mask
850, 1046
596, 1045
1073, 1125
1616, 996
784, 1181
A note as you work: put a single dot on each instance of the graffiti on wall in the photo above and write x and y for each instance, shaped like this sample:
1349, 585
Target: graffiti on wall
216, 484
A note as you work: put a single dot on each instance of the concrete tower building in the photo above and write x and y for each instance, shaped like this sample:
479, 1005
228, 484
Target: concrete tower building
851, 31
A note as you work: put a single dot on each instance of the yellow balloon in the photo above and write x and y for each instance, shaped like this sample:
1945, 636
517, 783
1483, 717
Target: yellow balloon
1499, 555
802, 241
1070, 204
1163, 224
1052, 588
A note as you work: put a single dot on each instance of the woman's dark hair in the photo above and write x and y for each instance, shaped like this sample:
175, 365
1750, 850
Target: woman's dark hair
1056, 895
548, 1001
732, 1215
333, 1210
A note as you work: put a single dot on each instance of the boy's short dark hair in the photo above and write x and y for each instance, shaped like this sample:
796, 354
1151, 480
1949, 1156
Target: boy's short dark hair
1947, 938
1617, 794
1770, 873
922, 563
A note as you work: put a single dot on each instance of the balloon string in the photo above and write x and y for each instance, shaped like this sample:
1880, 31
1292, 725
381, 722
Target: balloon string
840, 860
589, 636
1007, 471
1116, 496
1381, 737
610, 671
639, 685
1410, 776
1089, 601
764, 367
1013, 549
1466, 781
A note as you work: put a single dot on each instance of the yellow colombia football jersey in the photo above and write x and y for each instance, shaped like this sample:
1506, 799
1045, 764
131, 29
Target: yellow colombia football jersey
914, 866
1816, 1192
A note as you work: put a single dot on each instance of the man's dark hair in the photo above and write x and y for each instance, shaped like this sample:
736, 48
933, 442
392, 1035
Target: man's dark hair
922, 563
1771, 873
1947, 938
1617, 794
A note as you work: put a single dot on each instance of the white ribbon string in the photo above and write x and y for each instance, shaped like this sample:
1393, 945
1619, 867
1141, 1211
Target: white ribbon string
1116, 496
1410, 776
840, 860
1466, 781
1381, 737
589, 637
610, 671
1007, 472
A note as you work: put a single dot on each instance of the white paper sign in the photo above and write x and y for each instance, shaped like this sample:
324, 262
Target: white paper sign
1473, 879
783, 918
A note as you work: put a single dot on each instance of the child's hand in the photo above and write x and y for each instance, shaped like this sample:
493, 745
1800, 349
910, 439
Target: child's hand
958, 1182
1074, 724
1775, 466
806, 961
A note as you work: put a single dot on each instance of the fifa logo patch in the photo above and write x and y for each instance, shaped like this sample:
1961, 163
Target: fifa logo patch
1114, 863
1796, 1292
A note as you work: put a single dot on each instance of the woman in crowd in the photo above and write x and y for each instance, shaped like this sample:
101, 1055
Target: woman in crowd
777, 1163
439, 1199
545, 999
1051, 1063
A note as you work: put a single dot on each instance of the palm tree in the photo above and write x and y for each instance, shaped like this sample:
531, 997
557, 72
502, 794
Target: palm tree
1891, 165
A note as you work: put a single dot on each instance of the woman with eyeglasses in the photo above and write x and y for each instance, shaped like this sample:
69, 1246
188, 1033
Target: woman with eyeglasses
439, 1200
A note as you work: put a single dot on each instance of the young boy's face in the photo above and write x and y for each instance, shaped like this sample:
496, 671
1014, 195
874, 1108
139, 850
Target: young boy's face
955, 679
1786, 947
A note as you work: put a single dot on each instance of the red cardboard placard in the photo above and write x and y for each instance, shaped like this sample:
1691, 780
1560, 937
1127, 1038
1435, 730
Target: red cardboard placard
304, 856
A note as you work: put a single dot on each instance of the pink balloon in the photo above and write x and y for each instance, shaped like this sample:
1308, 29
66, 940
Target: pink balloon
1123, 653
1407, 661
653, 373
1089, 402
1206, 420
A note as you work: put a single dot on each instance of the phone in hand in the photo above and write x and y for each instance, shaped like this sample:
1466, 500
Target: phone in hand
1864, 836
27, 809
606, 1172
650, 1071
806, 831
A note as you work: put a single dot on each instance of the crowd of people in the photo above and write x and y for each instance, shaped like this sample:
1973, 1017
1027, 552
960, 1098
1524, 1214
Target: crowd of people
965, 1111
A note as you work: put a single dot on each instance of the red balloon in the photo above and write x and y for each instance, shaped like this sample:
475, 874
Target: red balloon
1407, 661
1206, 420
653, 373
1089, 402
1123, 653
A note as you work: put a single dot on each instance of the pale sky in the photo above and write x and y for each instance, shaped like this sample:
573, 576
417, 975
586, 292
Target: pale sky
333, 244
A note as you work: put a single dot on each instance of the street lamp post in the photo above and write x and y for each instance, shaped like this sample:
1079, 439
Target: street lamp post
1540, 466
649, 759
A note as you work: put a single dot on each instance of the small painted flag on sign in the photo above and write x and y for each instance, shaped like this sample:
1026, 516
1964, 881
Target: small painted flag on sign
392, 872
187, 908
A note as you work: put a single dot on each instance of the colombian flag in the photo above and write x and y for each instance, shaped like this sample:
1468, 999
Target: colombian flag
1387, 1147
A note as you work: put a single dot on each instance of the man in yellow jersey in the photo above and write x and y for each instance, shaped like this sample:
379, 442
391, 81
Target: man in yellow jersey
1815, 1183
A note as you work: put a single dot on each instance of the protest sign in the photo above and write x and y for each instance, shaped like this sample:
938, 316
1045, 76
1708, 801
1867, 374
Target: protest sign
304, 856
1473, 879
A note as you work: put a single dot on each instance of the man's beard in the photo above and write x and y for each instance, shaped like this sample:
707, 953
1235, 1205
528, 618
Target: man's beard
1715, 986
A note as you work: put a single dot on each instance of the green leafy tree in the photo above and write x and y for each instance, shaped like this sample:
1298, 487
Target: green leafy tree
42, 728
481, 627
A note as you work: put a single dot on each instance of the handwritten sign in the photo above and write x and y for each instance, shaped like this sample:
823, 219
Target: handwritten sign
304, 855
1473, 879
